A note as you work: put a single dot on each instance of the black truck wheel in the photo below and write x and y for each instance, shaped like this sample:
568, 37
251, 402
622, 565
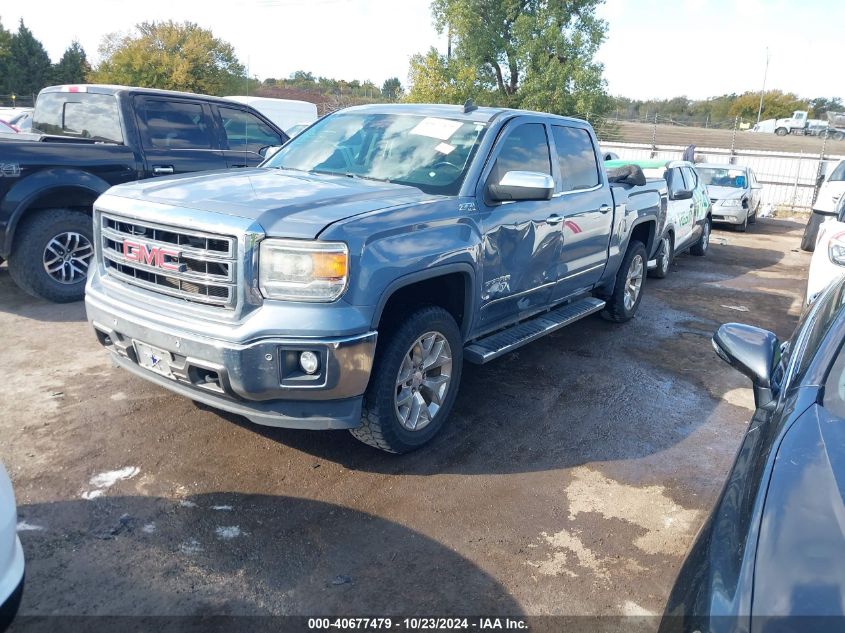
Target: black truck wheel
414, 383
51, 254
630, 280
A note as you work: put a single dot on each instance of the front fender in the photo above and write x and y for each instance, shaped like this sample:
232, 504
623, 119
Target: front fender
26, 191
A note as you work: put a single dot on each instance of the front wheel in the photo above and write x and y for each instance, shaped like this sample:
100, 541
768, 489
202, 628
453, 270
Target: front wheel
414, 383
781, 131
699, 249
628, 290
51, 254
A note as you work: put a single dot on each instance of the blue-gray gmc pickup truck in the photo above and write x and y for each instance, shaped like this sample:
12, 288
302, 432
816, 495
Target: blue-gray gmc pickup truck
343, 282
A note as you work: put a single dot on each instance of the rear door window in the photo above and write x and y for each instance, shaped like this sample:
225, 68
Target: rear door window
576, 158
79, 114
245, 131
526, 148
174, 125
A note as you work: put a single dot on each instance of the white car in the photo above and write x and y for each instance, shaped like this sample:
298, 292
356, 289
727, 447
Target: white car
11, 553
828, 261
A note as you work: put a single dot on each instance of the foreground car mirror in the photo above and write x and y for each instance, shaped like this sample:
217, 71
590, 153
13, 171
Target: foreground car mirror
522, 185
683, 194
752, 351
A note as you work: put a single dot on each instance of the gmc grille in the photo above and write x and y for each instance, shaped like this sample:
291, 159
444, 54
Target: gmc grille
206, 262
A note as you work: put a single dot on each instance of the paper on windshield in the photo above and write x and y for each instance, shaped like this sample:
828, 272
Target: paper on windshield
436, 128
444, 148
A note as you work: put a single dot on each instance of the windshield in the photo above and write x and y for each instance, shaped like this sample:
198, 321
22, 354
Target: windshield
839, 172
430, 153
80, 114
716, 177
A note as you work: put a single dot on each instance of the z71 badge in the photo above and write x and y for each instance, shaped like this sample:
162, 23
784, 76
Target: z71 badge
10, 170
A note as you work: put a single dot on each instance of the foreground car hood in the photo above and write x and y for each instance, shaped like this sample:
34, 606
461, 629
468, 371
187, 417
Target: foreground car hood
285, 203
724, 193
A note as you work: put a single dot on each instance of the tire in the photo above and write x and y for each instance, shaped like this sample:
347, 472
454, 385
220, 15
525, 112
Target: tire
62, 238
781, 131
618, 309
753, 218
699, 249
838, 136
664, 258
742, 228
381, 426
811, 232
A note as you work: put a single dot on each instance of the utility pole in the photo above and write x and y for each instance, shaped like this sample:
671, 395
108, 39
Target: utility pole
448, 41
763, 91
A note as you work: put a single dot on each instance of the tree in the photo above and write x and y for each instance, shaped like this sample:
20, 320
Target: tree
73, 67
822, 105
5, 56
170, 55
28, 65
525, 53
776, 105
434, 79
391, 89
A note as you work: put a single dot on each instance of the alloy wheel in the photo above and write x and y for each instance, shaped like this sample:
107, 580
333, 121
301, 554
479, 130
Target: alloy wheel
423, 381
67, 257
633, 282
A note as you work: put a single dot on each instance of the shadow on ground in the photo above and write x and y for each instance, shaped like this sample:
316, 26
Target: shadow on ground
236, 554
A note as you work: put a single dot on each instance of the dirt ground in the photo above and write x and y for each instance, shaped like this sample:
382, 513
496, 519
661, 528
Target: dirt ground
630, 132
570, 480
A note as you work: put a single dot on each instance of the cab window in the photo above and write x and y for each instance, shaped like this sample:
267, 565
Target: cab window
576, 158
524, 149
174, 125
245, 131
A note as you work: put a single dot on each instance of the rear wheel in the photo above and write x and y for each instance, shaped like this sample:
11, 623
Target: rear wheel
699, 249
664, 258
51, 254
628, 290
414, 383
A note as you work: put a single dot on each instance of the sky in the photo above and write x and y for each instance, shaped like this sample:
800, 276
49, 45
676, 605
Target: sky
654, 48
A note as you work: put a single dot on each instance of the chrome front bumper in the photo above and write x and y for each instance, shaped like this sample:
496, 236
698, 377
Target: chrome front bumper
258, 379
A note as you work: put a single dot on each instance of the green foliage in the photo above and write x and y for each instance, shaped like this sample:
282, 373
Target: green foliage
73, 67
27, 67
5, 58
172, 56
391, 89
820, 106
536, 54
776, 105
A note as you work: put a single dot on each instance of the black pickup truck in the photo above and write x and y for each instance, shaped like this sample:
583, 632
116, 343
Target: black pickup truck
86, 139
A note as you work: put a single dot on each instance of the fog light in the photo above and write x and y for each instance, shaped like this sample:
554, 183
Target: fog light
309, 362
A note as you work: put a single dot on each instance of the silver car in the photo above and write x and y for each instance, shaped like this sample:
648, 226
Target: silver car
11, 553
734, 191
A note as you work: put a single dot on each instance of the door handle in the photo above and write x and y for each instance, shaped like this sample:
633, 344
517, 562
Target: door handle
161, 170
239, 165
554, 219
605, 208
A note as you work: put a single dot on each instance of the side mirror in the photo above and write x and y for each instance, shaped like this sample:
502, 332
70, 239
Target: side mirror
751, 351
522, 185
683, 194
269, 150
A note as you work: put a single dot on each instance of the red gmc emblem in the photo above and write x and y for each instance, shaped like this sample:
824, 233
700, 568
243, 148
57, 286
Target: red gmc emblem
158, 256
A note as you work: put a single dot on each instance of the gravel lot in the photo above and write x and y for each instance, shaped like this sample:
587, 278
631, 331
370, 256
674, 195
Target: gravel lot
571, 479
630, 132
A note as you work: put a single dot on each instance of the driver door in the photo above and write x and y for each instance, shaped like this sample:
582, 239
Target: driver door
521, 241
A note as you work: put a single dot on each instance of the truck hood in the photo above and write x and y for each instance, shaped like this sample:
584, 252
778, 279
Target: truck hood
285, 203
724, 193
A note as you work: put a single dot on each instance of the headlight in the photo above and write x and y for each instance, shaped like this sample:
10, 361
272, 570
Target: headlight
301, 270
836, 249
732, 202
